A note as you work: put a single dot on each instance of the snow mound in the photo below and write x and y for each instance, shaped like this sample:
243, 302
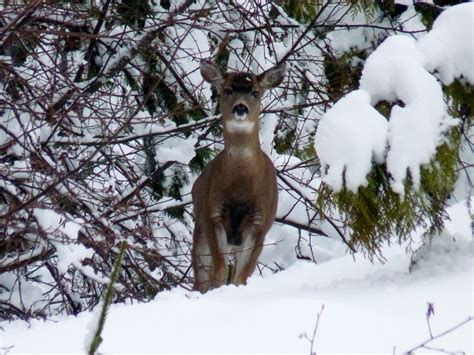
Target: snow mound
376, 307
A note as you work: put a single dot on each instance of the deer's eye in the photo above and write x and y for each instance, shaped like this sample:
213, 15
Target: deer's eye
255, 94
227, 92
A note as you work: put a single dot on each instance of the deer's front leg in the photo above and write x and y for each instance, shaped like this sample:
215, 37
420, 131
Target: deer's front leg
202, 261
219, 250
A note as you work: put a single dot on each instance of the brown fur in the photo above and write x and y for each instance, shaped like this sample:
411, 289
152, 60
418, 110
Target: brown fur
235, 197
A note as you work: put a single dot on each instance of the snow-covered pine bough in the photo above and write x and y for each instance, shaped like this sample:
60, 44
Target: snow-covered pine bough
235, 197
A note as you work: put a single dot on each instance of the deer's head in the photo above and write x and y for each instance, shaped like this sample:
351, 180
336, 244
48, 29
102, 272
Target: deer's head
240, 94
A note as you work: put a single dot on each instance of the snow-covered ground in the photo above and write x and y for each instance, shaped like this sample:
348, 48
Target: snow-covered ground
368, 308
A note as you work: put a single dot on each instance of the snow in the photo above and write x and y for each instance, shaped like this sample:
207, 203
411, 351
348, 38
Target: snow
167, 151
404, 2
449, 46
194, 44
17, 295
394, 72
368, 308
398, 71
51, 221
347, 144
68, 251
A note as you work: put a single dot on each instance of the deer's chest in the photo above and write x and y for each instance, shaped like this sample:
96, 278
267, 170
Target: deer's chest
240, 179
241, 184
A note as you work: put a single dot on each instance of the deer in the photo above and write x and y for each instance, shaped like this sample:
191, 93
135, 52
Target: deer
235, 197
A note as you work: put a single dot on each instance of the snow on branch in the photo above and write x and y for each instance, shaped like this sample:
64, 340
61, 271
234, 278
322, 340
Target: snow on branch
352, 134
349, 136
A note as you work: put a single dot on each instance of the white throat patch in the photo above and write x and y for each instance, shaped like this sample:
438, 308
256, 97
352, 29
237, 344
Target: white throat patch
239, 126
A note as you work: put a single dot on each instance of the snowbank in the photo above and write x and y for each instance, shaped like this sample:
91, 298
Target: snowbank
369, 308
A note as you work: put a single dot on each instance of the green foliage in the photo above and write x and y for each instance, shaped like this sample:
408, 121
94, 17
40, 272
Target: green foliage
159, 96
166, 99
94, 11
165, 4
375, 212
302, 10
17, 49
307, 152
164, 181
429, 13
157, 176
285, 139
195, 114
134, 12
342, 74
384, 108
94, 68
203, 155
178, 181
131, 80
448, 2
366, 7
437, 182
176, 212
460, 98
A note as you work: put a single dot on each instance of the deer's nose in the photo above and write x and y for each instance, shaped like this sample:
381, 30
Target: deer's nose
240, 110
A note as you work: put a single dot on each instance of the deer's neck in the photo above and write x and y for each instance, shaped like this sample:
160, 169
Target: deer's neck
242, 144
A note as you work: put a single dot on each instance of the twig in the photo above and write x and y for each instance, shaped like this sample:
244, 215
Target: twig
424, 344
315, 330
429, 312
300, 226
341, 235
6, 350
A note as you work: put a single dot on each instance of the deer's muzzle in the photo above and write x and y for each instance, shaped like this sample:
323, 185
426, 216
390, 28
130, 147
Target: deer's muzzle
240, 112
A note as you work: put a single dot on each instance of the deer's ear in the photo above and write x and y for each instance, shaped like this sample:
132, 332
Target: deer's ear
211, 73
272, 77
